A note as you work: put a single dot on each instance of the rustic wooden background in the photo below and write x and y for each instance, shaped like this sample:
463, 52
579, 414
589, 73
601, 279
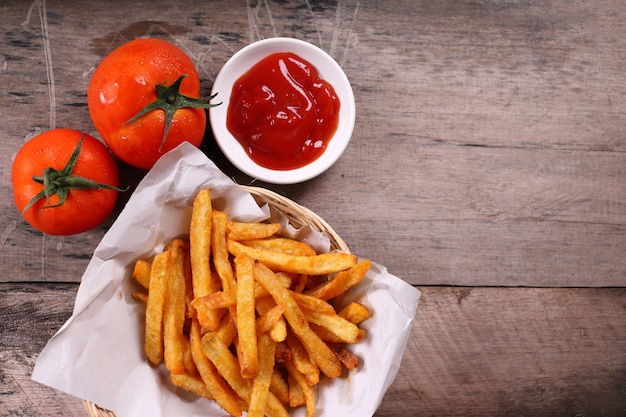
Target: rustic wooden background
487, 168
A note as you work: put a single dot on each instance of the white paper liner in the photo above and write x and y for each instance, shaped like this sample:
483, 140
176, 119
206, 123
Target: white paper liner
98, 355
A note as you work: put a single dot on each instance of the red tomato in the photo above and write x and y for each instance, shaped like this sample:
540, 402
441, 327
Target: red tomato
145, 75
50, 153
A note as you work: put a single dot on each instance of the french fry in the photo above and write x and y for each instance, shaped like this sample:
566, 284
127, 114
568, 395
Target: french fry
341, 282
250, 231
346, 332
190, 366
227, 365
246, 321
140, 296
220, 253
319, 352
301, 360
278, 332
200, 249
174, 311
279, 244
227, 331
153, 344
329, 337
216, 386
260, 291
141, 273
192, 384
308, 302
354, 312
267, 321
313, 265
278, 386
218, 299
296, 396
307, 390
261, 384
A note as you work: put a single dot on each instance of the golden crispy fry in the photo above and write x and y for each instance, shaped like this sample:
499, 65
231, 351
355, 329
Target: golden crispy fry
140, 296
141, 273
217, 387
341, 282
355, 313
153, 344
227, 365
227, 331
192, 384
279, 244
261, 384
307, 390
174, 311
308, 302
188, 281
301, 360
219, 299
330, 337
250, 231
296, 396
200, 249
319, 352
270, 318
278, 331
200, 242
190, 366
261, 292
346, 332
220, 253
246, 321
313, 265
279, 387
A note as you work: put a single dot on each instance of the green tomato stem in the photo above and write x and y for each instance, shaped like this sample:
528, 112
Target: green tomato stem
170, 100
61, 182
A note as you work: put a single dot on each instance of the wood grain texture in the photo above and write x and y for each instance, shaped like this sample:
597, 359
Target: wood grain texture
488, 154
503, 352
488, 147
29, 316
473, 352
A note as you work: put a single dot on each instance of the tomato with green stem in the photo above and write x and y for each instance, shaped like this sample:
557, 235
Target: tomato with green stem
144, 100
64, 182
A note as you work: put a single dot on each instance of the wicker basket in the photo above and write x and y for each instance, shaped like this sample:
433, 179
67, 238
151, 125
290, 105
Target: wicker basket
297, 215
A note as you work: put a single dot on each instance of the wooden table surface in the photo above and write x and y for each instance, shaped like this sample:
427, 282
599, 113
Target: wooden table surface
487, 168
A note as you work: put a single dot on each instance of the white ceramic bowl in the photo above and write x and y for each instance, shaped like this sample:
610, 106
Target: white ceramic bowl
328, 70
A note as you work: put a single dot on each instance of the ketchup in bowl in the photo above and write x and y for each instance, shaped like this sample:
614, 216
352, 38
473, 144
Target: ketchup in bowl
282, 112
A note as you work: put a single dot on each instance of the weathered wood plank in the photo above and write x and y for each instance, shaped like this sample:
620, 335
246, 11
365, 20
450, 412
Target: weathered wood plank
472, 352
29, 316
505, 352
488, 135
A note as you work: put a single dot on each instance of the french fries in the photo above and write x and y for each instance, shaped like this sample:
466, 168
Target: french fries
246, 318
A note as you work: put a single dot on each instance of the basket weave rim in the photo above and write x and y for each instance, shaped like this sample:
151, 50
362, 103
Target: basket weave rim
297, 215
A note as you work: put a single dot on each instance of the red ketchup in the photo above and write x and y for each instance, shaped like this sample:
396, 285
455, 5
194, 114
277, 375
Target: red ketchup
282, 112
